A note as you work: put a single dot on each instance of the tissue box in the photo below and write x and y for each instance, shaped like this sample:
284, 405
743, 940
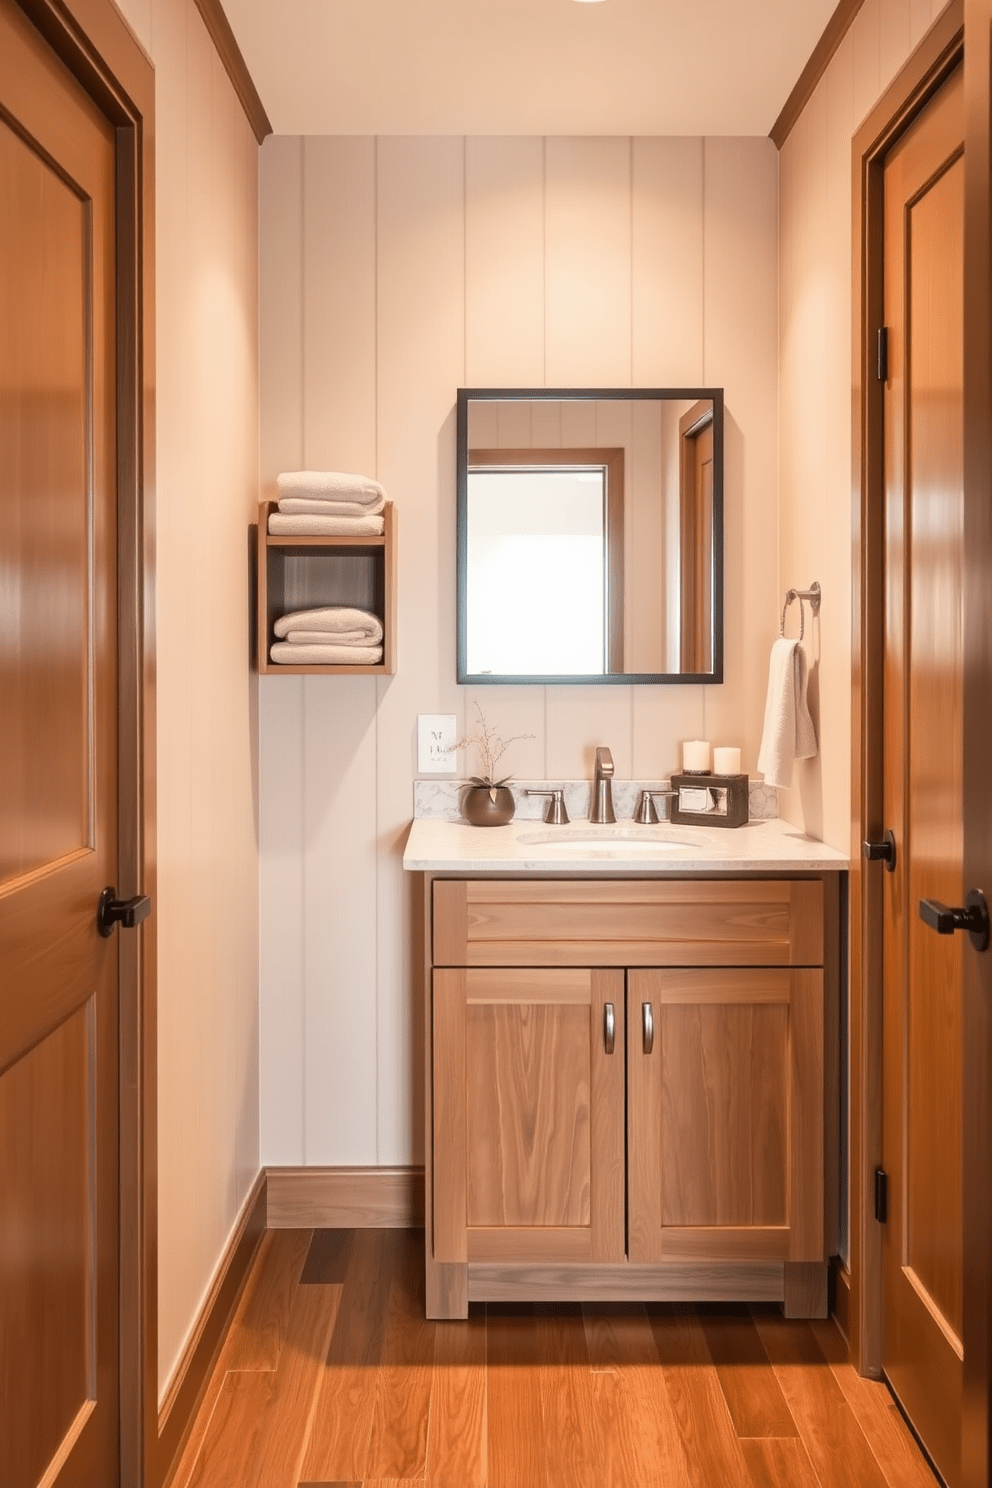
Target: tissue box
709, 800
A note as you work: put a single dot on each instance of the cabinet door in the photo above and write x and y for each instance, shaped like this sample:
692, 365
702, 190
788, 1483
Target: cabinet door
528, 1115
725, 1115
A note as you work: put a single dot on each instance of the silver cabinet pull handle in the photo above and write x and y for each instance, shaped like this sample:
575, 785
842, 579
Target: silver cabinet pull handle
609, 1028
647, 1017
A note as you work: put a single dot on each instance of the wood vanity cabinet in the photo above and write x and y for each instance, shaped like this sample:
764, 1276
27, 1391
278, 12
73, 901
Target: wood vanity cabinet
627, 1092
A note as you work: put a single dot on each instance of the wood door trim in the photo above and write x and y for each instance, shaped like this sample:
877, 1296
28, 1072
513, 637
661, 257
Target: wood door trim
932, 61
230, 54
94, 43
834, 32
976, 1426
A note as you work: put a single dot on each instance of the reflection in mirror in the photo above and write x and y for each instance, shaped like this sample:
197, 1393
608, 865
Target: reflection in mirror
590, 535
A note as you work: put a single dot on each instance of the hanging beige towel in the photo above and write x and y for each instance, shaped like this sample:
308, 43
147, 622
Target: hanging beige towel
281, 525
332, 624
295, 506
290, 655
788, 732
329, 485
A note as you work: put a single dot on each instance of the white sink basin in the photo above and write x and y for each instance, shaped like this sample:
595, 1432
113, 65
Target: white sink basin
617, 841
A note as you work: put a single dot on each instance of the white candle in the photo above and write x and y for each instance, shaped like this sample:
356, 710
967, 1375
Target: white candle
696, 754
727, 761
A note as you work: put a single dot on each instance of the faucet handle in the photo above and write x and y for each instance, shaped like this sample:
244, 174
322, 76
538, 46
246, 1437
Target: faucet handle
556, 814
646, 813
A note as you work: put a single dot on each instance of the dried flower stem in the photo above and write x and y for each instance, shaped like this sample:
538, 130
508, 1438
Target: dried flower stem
491, 746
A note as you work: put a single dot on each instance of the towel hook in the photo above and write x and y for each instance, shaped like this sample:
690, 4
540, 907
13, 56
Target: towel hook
812, 594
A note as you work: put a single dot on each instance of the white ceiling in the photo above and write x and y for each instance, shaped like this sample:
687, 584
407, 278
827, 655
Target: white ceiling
628, 67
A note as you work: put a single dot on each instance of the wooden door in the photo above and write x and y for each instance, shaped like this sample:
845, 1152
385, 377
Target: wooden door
696, 529
725, 1114
58, 784
976, 1434
528, 1115
922, 788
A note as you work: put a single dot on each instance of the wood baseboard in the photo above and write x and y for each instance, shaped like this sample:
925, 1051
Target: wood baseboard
338, 1198
840, 1297
189, 1379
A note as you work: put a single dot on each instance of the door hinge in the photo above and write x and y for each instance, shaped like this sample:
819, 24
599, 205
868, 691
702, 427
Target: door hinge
883, 354
881, 1195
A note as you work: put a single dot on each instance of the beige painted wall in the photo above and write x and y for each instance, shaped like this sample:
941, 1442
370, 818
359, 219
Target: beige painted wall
815, 320
207, 478
394, 271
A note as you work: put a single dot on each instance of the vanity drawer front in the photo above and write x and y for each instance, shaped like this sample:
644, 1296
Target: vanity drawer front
644, 922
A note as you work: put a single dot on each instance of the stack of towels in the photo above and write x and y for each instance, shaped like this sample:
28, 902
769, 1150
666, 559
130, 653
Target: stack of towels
334, 635
327, 503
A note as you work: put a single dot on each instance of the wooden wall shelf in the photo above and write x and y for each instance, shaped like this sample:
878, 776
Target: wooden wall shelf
304, 572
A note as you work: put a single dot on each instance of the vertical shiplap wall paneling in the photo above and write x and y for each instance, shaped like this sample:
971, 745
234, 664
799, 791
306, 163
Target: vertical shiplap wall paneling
207, 486
248, 1052
833, 641
504, 347
497, 262
504, 262
804, 437
197, 1006
893, 35
281, 716
865, 35
588, 343
421, 361
667, 351
173, 626
815, 379
339, 745
740, 187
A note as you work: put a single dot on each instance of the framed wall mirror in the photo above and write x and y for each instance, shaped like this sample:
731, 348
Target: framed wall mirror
590, 535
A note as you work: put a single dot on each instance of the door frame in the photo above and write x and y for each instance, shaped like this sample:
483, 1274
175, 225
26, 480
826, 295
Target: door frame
976, 1422
95, 45
934, 59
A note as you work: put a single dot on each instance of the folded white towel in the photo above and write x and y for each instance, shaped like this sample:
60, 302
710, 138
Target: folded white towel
296, 506
329, 485
325, 638
290, 655
788, 732
281, 525
332, 622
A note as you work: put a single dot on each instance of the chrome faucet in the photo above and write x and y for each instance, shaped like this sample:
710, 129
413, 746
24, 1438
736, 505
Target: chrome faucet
602, 788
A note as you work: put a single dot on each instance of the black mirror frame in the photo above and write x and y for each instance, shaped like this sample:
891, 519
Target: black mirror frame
585, 395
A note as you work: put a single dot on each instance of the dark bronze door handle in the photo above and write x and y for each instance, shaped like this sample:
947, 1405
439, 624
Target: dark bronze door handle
884, 851
974, 918
127, 912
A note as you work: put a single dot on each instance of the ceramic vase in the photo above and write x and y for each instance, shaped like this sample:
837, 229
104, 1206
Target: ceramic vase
482, 810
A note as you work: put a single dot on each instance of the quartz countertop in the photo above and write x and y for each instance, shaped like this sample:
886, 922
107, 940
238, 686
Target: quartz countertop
769, 846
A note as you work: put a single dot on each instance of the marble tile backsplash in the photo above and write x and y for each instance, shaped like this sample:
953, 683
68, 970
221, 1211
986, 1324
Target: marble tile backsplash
440, 800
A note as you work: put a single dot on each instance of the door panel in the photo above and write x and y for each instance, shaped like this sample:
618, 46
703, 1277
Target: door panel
528, 1115
922, 710
725, 1114
58, 788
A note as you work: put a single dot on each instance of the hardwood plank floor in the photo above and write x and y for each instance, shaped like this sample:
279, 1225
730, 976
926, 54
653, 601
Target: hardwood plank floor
331, 1377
